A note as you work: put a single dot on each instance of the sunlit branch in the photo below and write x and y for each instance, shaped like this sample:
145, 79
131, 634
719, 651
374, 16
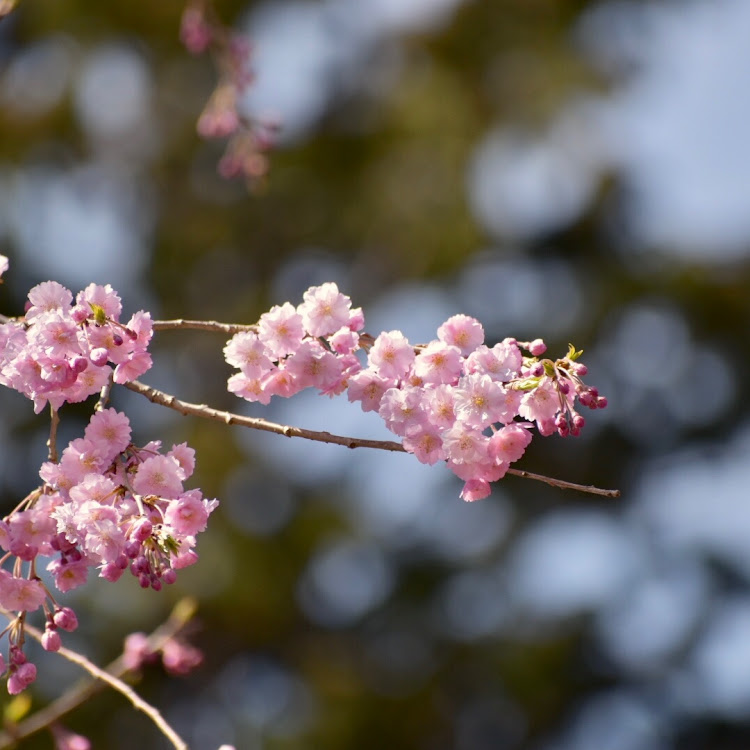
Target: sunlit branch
256, 423
52, 442
104, 394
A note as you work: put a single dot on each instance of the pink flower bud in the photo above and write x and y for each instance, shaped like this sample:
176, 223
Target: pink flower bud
142, 530
51, 640
65, 619
537, 347
99, 356
111, 572
79, 314
21, 678
16, 656
169, 576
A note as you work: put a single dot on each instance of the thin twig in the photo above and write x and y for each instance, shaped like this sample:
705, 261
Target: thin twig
201, 410
202, 325
563, 485
52, 442
182, 613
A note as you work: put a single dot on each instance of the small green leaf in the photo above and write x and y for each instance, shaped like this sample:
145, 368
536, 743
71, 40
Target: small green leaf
100, 317
573, 354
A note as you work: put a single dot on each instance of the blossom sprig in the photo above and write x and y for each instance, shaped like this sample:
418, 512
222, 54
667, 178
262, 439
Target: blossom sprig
248, 138
64, 350
452, 400
106, 504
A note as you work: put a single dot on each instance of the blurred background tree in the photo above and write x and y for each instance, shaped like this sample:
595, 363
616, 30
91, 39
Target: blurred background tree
572, 170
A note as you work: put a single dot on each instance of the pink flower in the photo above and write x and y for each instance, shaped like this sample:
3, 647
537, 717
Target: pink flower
313, 366
246, 351
110, 431
101, 296
464, 445
401, 409
187, 514
344, 341
324, 309
462, 331
541, 404
20, 594
425, 443
58, 336
48, 296
133, 368
3, 265
281, 330
21, 677
185, 457
356, 319
159, 476
82, 457
475, 489
251, 389
502, 362
368, 387
279, 382
509, 443
440, 403
91, 380
438, 363
479, 400
70, 575
391, 355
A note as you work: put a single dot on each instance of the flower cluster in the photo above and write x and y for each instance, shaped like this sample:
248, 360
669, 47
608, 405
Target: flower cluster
454, 399
109, 505
63, 351
312, 345
459, 401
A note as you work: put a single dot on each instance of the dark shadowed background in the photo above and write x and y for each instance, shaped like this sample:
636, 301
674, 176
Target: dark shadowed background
578, 171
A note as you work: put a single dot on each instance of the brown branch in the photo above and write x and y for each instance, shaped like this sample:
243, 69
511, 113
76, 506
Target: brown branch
202, 325
256, 423
182, 613
105, 393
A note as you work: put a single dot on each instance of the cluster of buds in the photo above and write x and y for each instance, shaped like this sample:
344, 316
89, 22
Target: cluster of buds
61, 351
454, 399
